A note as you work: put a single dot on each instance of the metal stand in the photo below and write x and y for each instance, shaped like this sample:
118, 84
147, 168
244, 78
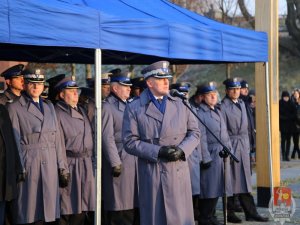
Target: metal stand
223, 154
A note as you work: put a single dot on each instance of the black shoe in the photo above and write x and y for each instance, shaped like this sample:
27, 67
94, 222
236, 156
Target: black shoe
232, 218
258, 218
238, 208
214, 221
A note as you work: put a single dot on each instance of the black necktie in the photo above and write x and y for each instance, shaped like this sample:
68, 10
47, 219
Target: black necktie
238, 105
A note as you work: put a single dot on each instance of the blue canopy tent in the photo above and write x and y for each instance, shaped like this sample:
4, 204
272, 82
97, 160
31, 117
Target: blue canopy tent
120, 32
127, 31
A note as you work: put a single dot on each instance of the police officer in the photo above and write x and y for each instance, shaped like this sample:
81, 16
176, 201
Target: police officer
235, 115
105, 85
119, 168
79, 196
198, 156
250, 115
10, 164
15, 82
212, 176
162, 133
39, 143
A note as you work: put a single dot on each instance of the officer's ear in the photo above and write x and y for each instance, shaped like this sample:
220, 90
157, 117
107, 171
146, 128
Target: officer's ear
62, 95
8, 82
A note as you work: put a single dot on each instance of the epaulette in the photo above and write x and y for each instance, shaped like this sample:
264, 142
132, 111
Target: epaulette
133, 99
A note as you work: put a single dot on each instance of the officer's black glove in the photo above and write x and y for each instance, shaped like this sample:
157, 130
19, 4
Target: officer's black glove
179, 154
21, 177
171, 153
165, 152
205, 165
116, 171
63, 178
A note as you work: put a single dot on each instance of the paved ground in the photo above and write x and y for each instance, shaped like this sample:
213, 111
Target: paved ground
290, 175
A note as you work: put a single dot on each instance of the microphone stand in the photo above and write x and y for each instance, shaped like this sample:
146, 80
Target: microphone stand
223, 154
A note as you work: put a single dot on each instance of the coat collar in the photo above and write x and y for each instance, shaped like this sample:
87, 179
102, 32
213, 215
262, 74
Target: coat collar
113, 99
31, 108
213, 114
145, 98
68, 109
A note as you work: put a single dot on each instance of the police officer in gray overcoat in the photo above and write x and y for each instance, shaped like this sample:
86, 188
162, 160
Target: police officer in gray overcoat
161, 131
39, 144
79, 196
119, 168
212, 176
15, 82
198, 157
235, 115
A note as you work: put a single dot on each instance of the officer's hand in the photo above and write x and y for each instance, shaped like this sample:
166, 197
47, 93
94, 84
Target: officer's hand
171, 153
116, 171
205, 165
165, 152
64, 178
21, 177
179, 154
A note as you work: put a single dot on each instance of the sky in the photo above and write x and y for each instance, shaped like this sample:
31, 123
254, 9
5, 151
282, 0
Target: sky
282, 10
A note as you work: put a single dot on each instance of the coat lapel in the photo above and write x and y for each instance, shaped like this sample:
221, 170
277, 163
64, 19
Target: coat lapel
75, 114
151, 109
35, 111
170, 113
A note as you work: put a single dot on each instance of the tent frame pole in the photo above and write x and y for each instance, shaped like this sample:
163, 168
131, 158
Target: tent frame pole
98, 141
270, 153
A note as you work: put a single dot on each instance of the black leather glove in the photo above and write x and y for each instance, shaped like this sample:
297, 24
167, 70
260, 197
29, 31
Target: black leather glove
64, 178
205, 165
171, 153
21, 177
116, 171
179, 154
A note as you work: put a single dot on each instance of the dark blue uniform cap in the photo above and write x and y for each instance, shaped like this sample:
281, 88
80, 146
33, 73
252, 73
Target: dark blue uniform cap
232, 83
244, 84
14, 71
121, 79
181, 86
158, 70
66, 83
86, 91
206, 88
54, 80
138, 82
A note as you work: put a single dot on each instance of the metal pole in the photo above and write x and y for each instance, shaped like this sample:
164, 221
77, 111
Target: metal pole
269, 126
225, 193
98, 151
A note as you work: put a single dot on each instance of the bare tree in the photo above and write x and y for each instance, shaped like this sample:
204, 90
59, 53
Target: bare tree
248, 17
293, 20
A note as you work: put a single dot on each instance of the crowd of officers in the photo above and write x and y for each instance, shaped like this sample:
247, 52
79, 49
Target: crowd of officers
160, 164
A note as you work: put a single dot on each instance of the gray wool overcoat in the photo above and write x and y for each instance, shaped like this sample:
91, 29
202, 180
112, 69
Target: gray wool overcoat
237, 126
200, 154
119, 193
39, 144
78, 143
212, 179
165, 194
